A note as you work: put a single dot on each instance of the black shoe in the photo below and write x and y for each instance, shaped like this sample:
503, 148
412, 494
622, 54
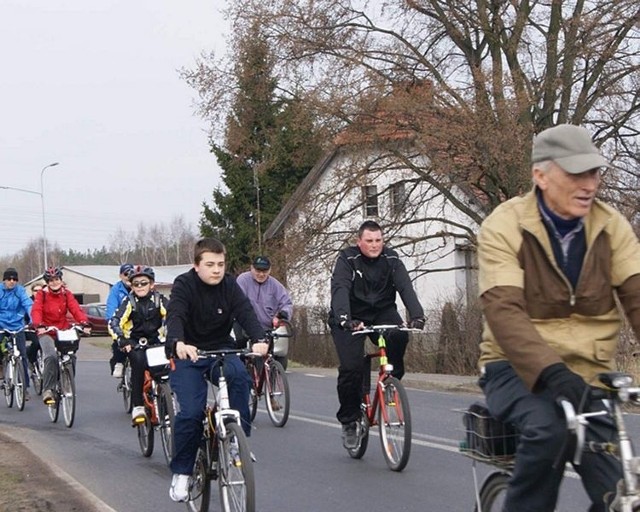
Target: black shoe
350, 435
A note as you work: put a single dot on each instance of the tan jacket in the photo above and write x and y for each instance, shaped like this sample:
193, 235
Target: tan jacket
534, 318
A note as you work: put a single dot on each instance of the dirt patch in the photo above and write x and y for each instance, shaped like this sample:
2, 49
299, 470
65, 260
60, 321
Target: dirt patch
27, 484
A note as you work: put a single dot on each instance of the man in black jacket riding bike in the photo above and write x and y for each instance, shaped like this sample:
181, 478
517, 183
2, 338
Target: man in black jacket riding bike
364, 283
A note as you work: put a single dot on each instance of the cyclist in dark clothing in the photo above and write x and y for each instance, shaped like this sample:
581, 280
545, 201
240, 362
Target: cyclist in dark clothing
141, 314
363, 291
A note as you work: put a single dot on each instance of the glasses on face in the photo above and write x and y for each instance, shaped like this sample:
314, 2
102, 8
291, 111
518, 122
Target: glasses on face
12, 279
140, 284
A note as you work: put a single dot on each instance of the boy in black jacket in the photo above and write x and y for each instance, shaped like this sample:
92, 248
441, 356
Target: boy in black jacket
204, 303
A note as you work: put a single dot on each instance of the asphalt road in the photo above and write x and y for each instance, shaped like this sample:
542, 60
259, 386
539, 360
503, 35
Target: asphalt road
301, 467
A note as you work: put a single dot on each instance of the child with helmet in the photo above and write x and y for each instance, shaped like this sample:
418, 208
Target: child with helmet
141, 314
50, 306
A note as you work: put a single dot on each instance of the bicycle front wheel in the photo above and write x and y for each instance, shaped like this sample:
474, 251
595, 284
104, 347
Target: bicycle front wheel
68, 394
8, 381
200, 485
235, 472
493, 492
394, 418
166, 419
19, 383
254, 394
277, 394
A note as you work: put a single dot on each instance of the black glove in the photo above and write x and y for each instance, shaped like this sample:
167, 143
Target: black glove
417, 323
564, 384
282, 315
350, 325
170, 349
123, 342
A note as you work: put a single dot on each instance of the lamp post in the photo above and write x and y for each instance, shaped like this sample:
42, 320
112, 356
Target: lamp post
44, 229
41, 194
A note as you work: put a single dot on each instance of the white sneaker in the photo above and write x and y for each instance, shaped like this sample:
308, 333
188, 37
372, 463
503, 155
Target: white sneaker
117, 371
138, 414
179, 490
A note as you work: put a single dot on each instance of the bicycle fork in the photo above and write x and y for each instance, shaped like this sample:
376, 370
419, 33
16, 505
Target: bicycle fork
629, 499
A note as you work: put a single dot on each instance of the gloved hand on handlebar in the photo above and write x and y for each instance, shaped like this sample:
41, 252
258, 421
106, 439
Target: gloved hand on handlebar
351, 325
564, 384
282, 315
123, 342
417, 323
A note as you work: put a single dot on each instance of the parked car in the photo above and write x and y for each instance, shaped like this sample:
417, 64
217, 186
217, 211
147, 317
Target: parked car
96, 314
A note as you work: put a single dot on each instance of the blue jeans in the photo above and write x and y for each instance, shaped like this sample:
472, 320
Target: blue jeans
540, 463
189, 384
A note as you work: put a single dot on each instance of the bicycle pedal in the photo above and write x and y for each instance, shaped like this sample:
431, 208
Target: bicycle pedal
138, 421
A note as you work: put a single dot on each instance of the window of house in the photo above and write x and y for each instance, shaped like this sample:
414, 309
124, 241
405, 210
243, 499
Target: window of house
370, 201
398, 197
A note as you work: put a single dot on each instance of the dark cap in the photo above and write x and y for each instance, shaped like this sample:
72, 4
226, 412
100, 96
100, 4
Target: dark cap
261, 263
9, 273
125, 267
570, 147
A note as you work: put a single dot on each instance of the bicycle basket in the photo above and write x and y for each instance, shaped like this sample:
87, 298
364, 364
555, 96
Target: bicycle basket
487, 437
67, 340
281, 341
157, 360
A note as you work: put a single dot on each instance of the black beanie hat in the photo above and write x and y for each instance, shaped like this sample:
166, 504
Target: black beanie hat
10, 272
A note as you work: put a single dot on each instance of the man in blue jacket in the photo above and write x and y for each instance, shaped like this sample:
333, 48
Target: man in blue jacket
14, 305
118, 292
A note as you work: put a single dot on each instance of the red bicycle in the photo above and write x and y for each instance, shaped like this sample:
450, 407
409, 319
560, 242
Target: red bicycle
386, 405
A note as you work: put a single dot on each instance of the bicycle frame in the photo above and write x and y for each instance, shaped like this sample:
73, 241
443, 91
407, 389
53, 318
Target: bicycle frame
372, 398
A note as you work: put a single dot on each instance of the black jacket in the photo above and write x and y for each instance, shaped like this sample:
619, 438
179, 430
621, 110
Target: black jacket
202, 315
362, 287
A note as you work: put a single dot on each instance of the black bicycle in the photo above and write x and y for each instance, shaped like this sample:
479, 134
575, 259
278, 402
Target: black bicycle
224, 453
14, 380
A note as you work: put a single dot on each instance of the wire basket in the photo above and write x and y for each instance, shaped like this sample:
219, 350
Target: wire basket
488, 439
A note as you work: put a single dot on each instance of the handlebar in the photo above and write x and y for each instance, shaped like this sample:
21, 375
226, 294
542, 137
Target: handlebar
11, 333
384, 328
213, 354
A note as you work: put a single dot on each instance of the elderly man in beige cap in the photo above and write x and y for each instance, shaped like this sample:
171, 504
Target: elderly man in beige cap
551, 265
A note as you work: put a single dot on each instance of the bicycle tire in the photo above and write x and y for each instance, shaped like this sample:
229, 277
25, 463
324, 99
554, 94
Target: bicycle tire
36, 373
68, 394
125, 385
394, 419
145, 437
19, 383
277, 395
54, 409
166, 419
492, 492
362, 430
8, 381
254, 394
236, 479
200, 484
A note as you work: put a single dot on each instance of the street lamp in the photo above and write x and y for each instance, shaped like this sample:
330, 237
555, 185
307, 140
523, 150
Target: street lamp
41, 194
44, 229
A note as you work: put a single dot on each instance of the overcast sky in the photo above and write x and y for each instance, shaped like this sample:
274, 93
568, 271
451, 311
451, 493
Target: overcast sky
94, 85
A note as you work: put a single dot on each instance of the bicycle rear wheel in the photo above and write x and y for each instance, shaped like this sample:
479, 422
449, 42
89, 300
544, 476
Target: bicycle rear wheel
19, 383
9, 373
36, 373
493, 492
166, 419
125, 386
235, 472
362, 430
68, 394
54, 408
200, 485
394, 419
276, 394
145, 437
